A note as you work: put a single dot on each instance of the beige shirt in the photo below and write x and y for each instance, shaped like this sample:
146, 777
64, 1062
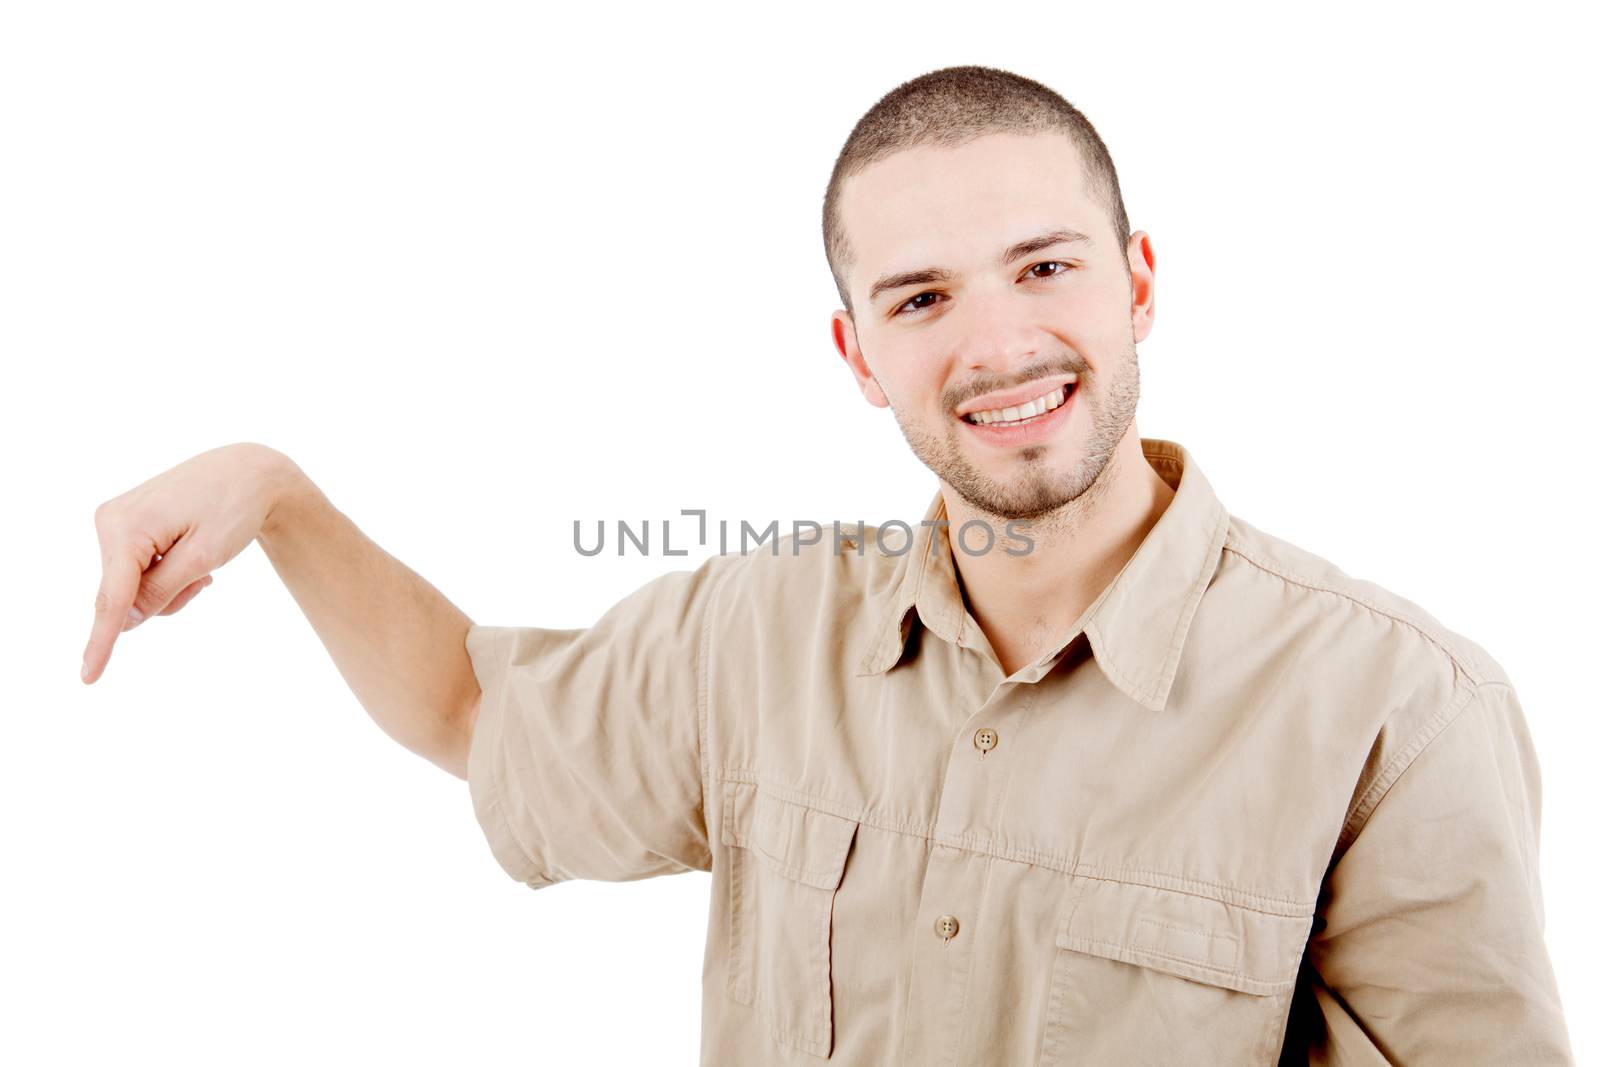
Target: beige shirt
1249, 804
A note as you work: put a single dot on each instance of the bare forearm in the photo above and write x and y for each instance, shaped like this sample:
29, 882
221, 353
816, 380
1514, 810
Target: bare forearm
398, 642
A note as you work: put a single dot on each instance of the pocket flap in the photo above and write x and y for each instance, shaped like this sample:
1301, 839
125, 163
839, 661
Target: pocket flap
1194, 937
801, 843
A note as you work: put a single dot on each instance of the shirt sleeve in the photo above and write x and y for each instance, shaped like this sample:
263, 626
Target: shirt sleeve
585, 760
1428, 946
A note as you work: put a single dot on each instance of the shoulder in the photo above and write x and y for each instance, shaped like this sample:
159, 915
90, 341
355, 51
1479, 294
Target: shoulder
1382, 674
1296, 587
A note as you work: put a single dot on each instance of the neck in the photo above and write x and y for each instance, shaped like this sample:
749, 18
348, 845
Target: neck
1025, 603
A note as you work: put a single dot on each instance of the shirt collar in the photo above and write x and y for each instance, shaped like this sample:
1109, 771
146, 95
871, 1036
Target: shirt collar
1136, 626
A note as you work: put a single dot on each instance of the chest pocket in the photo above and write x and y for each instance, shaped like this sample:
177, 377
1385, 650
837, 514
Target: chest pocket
1147, 975
785, 865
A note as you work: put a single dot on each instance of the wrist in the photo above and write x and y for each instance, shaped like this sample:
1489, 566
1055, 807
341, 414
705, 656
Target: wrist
284, 486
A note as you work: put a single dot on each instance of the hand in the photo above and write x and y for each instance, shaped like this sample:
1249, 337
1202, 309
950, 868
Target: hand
159, 541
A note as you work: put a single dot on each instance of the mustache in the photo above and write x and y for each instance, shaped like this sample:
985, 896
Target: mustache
957, 395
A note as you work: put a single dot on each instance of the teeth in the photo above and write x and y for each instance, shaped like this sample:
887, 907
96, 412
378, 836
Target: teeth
1037, 406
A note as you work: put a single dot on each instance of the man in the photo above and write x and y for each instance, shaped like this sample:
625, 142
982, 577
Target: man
1134, 783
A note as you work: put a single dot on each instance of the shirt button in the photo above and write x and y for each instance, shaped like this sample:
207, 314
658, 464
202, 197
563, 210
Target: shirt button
985, 739
946, 926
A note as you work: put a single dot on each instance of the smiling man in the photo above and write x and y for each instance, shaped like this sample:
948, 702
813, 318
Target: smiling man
1003, 338
1145, 785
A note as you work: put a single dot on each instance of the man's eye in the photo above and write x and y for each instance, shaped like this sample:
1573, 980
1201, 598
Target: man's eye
1049, 263
901, 310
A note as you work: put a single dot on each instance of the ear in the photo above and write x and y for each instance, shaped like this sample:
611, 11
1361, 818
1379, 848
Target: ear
844, 339
1142, 273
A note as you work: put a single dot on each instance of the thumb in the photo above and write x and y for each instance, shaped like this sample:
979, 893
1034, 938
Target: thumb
162, 581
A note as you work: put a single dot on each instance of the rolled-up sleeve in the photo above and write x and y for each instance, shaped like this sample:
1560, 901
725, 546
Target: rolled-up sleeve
1429, 945
585, 760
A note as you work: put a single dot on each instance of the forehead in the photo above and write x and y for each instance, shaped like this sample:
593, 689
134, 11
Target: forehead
928, 205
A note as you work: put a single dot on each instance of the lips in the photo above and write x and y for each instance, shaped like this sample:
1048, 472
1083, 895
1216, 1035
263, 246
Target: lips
1023, 429
1016, 414
998, 400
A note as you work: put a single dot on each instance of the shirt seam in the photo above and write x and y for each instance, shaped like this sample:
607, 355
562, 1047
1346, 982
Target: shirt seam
1456, 658
502, 822
985, 845
1405, 759
702, 699
530, 873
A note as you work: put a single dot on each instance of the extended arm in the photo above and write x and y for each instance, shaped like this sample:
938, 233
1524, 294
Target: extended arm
397, 641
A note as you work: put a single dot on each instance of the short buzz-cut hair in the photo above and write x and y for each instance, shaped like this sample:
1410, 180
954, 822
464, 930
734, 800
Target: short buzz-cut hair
948, 108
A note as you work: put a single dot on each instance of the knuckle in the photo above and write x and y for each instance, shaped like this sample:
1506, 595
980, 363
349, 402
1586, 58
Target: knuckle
199, 558
105, 514
111, 527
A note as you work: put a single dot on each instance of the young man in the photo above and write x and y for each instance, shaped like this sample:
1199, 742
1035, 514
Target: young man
1143, 784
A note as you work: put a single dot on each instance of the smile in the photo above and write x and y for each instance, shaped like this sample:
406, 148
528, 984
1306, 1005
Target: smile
1022, 413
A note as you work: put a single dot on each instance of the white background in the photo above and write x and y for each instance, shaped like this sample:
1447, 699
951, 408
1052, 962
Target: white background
482, 271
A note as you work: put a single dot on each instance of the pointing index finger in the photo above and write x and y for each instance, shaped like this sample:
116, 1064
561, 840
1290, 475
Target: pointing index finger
119, 584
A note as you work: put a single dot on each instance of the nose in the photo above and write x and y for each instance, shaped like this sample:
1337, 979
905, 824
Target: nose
996, 334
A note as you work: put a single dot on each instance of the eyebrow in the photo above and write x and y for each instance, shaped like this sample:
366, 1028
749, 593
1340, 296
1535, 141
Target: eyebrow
925, 275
